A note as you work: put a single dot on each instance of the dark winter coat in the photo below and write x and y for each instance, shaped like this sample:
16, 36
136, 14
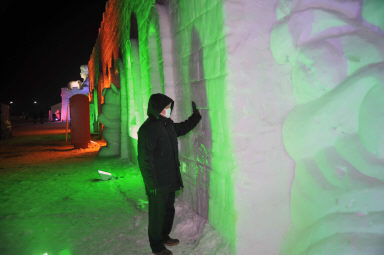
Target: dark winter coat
158, 154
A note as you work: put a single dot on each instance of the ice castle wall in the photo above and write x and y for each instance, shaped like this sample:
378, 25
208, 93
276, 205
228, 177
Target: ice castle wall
288, 156
260, 97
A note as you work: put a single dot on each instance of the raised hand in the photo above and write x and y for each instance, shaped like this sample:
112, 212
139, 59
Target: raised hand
194, 106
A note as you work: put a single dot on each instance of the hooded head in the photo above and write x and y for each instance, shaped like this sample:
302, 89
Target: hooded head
157, 102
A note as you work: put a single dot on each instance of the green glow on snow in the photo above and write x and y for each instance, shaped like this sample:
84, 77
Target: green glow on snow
63, 208
63, 252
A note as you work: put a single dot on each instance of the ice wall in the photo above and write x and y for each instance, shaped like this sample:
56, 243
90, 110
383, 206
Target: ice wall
235, 169
201, 71
259, 98
335, 50
286, 89
121, 56
168, 48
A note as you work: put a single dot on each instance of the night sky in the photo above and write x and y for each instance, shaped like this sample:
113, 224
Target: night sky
44, 44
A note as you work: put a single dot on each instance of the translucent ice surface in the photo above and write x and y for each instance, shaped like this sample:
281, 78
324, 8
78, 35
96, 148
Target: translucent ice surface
336, 51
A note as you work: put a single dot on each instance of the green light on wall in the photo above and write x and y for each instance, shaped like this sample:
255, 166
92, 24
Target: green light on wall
140, 47
210, 74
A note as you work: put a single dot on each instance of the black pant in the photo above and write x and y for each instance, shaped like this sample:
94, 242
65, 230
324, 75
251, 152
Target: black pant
161, 212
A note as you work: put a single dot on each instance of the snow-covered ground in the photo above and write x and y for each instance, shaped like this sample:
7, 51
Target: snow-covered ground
53, 202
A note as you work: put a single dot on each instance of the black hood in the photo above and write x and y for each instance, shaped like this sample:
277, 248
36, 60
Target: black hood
157, 102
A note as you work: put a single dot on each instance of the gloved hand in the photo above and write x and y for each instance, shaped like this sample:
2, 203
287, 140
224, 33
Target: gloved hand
194, 106
153, 192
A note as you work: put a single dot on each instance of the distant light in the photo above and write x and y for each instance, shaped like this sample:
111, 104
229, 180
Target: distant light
10, 102
35, 102
45, 253
105, 176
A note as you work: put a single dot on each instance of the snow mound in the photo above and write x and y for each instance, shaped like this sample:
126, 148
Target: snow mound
194, 230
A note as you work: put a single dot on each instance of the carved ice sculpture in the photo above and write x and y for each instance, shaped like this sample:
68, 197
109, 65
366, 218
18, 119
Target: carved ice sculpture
335, 133
84, 72
110, 118
84, 75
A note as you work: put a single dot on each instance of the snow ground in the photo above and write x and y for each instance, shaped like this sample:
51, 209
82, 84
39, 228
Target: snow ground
53, 202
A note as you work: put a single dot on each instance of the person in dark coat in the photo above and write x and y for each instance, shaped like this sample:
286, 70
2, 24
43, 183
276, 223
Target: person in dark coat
159, 164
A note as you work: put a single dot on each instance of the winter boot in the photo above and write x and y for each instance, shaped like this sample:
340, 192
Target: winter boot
171, 242
164, 252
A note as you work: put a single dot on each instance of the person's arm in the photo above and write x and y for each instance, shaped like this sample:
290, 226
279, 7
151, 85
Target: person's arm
146, 147
184, 127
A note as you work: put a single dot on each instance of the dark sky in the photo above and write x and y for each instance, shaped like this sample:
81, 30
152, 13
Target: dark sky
44, 44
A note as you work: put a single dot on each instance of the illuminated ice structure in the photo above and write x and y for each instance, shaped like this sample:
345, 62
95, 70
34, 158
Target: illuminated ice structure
335, 50
110, 118
287, 158
74, 88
